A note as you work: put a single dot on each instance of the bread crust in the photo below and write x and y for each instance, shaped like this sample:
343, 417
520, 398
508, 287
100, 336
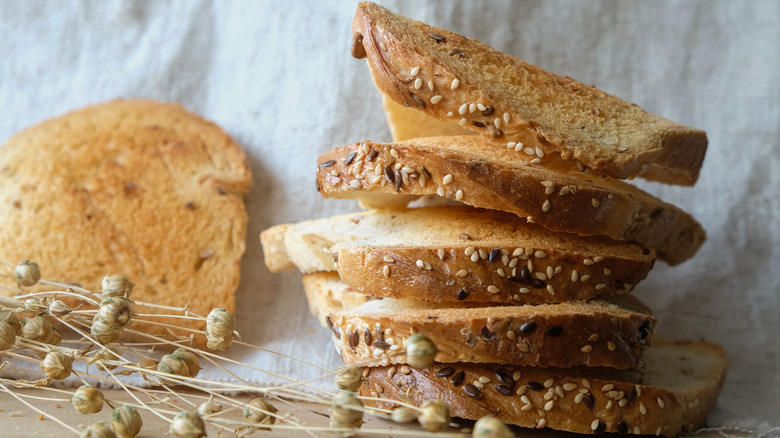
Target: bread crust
465, 169
132, 187
579, 400
437, 72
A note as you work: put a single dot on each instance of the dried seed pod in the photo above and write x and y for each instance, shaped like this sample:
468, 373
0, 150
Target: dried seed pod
98, 430
346, 410
102, 332
116, 311
126, 421
34, 305
171, 365
420, 351
37, 328
404, 415
187, 425
10, 317
349, 378
7, 336
59, 308
220, 325
57, 365
117, 286
435, 416
209, 408
491, 427
87, 399
259, 412
189, 358
27, 273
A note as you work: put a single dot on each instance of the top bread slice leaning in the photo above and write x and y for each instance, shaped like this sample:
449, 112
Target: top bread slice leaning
468, 170
453, 78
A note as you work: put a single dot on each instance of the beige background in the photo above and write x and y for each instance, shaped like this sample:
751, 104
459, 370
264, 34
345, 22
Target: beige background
279, 78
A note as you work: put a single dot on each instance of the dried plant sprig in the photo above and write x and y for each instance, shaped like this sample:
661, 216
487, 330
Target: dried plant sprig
102, 324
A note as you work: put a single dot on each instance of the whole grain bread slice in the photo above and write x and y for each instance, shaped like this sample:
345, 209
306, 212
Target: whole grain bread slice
593, 333
466, 169
673, 394
457, 253
454, 78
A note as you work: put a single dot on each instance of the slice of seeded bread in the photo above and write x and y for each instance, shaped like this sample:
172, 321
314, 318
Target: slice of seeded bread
467, 169
325, 295
673, 394
594, 333
457, 253
453, 78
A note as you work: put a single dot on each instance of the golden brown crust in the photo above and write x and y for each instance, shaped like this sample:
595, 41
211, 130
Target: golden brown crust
505, 180
137, 188
578, 400
437, 72
562, 335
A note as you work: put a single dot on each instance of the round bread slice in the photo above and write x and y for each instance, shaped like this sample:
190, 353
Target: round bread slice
673, 394
137, 188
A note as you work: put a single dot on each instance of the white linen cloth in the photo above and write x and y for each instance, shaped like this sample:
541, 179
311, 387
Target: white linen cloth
278, 76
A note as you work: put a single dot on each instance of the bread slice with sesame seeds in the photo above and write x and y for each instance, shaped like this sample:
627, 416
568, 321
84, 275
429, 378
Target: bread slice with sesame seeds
454, 78
672, 395
594, 333
324, 299
457, 253
468, 170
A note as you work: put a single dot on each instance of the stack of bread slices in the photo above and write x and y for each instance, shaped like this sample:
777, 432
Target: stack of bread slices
521, 273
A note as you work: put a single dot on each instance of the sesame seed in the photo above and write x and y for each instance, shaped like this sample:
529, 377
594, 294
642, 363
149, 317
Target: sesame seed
430, 85
511, 145
607, 271
447, 179
540, 254
450, 114
550, 289
607, 387
386, 271
463, 108
549, 382
636, 430
597, 259
594, 337
459, 195
658, 431
524, 290
586, 383
472, 107
415, 71
519, 147
484, 379
504, 259
354, 184
478, 384
594, 425
622, 402
394, 153
542, 423
470, 250
585, 277
418, 83
513, 263
529, 151
586, 349
463, 122
564, 191
389, 259
601, 286
462, 273
546, 206
419, 263
507, 117
548, 183
518, 252
536, 161
550, 272
642, 409
559, 391
548, 405
500, 272
660, 402
481, 107
594, 202
574, 276
497, 123
587, 262
541, 276
569, 386
493, 289
611, 346
578, 397
455, 84
440, 191
382, 46
436, 99
526, 408
475, 257
539, 152
440, 253
525, 399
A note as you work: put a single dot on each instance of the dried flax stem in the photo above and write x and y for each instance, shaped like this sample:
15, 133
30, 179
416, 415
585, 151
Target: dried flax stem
56, 420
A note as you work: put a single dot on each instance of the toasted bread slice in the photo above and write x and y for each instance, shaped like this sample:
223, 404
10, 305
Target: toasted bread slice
466, 169
593, 333
450, 77
457, 253
673, 394
324, 299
